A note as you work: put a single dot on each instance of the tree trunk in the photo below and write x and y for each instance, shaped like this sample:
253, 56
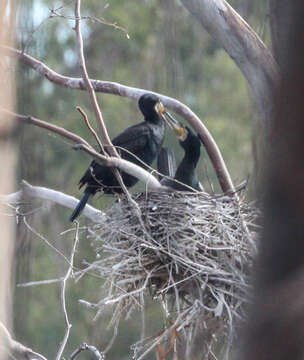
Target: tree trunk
7, 173
243, 45
275, 329
280, 27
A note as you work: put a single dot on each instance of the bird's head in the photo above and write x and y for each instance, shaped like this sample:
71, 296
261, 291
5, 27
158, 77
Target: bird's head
153, 109
148, 105
188, 140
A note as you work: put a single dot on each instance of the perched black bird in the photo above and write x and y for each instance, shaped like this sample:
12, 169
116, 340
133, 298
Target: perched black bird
139, 144
185, 174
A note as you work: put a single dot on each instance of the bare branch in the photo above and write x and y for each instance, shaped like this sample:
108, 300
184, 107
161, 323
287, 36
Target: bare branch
101, 20
15, 349
45, 240
134, 93
43, 124
86, 119
58, 197
63, 289
102, 128
100, 123
124, 165
243, 45
83, 347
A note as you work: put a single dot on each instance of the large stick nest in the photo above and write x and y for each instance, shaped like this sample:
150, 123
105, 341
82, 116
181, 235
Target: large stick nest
190, 250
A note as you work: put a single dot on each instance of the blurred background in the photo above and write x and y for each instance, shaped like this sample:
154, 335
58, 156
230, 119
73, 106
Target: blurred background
159, 47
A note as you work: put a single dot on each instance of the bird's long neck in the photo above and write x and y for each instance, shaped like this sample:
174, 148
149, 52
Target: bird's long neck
153, 119
186, 169
191, 158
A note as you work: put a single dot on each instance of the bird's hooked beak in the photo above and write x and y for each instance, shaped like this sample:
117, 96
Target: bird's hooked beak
169, 119
182, 134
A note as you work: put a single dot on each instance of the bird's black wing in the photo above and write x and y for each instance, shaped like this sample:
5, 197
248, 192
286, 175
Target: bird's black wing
166, 163
134, 138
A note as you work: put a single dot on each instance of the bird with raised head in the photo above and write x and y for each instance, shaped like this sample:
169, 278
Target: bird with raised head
139, 144
185, 175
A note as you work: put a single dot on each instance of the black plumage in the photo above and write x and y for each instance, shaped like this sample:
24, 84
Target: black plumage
139, 144
166, 163
185, 175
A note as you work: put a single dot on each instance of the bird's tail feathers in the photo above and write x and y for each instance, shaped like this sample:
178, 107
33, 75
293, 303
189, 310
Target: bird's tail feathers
80, 206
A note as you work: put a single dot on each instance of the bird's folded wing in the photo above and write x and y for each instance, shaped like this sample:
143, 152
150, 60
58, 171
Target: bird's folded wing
166, 163
134, 138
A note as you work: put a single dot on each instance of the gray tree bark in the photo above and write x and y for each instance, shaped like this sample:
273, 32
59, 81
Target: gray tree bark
243, 45
280, 27
275, 329
7, 177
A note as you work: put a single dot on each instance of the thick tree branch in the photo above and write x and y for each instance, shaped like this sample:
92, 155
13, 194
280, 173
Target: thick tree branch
243, 45
58, 197
280, 27
122, 90
15, 349
126, 166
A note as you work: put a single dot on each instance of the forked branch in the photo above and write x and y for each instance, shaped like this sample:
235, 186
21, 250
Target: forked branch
243, 45
124, 165
134, 93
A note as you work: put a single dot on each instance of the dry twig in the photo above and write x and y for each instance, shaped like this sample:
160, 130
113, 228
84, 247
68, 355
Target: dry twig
84, 347
114, 88
86, 119
63, 291
192, 253
126, 166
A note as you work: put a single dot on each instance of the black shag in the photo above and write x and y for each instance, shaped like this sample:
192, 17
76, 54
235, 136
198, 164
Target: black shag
185, 175
139, 144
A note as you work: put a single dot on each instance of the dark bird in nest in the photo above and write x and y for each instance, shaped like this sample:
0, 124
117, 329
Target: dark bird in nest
139, 144
185, 176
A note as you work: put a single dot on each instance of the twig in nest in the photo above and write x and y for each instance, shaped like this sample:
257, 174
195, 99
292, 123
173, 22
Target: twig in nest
190, 251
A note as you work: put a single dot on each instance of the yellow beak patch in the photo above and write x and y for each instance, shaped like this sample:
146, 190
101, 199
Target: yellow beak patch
159, 107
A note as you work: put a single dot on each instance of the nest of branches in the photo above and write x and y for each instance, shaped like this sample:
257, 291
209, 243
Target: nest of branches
191, 251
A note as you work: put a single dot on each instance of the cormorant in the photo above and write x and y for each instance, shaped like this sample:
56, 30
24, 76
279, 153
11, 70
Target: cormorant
142, 143
186, 172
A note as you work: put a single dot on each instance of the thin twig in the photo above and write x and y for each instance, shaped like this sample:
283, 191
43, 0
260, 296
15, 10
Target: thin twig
101, 20
84, 347
189, 249
122, 164
44, 239
110, 87
63, 291
86, 119
99, 119
92, 95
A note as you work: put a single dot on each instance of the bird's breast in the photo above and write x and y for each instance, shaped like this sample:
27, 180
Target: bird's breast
158, 133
